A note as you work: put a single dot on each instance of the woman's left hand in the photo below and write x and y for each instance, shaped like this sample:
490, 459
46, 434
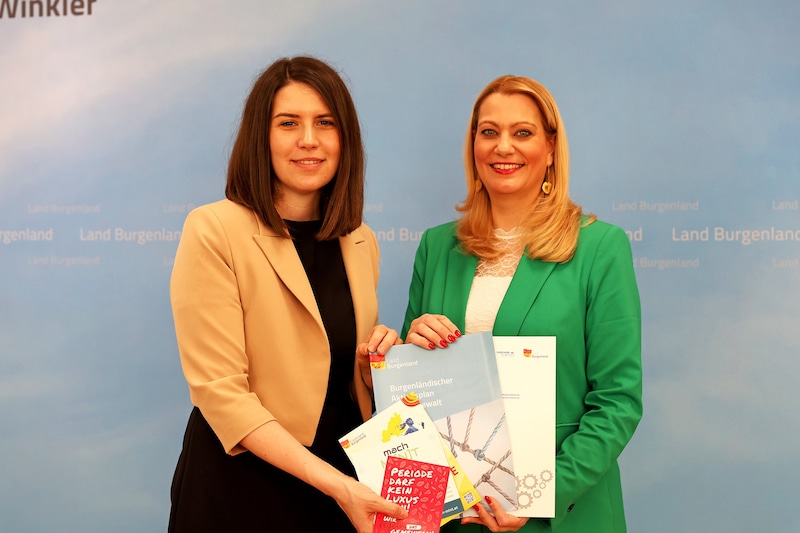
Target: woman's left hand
380, 339
497, 520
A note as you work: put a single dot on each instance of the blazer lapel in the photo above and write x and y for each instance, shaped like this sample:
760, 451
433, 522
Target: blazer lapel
521, 295
458, 282
282, 256
358, 264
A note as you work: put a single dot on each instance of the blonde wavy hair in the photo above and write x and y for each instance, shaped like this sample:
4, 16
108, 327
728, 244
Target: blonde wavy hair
551, 227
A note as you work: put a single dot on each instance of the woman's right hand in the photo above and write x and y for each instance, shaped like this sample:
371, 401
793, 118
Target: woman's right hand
431, 331
361, 504
272, 443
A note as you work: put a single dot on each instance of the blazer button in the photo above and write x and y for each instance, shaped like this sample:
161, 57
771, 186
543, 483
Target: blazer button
570, 507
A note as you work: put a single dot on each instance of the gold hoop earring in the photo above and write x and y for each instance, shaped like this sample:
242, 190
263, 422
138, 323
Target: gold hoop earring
547, 187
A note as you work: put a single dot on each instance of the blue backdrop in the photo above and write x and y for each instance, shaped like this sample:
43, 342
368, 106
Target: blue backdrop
117, 117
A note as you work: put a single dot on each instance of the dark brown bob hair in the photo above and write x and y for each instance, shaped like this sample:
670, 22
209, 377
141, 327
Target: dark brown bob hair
251, 178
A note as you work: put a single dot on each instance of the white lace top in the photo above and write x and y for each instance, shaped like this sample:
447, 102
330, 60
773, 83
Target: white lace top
491, 282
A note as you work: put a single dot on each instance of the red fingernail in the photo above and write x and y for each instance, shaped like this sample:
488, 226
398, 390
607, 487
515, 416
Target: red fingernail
451, 338
458, 333
431, 346
488, 499
443, 343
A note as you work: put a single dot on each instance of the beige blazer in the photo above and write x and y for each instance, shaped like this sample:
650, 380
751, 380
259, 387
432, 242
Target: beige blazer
251, 340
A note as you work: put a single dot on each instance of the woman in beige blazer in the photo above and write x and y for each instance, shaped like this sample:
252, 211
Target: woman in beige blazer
274, 300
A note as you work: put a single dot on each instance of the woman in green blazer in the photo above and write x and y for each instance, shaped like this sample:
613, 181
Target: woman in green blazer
524, 260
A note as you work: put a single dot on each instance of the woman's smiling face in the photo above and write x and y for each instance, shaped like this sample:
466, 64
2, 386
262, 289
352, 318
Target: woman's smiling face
511, 147
304, 143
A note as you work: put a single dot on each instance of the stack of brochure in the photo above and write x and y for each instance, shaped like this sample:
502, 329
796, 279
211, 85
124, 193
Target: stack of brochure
404, 429
491, 401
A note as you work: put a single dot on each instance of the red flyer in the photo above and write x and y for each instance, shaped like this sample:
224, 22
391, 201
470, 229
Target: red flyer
419, 487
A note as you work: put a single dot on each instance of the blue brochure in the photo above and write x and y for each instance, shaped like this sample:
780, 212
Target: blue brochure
446, 381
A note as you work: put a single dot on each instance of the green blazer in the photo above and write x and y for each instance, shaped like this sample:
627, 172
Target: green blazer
591, 305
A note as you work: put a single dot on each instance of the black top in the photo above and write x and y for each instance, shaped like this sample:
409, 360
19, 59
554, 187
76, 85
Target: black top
214, 492
326, 273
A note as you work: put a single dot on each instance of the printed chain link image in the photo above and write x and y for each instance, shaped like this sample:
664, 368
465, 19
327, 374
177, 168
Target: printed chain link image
529, 486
